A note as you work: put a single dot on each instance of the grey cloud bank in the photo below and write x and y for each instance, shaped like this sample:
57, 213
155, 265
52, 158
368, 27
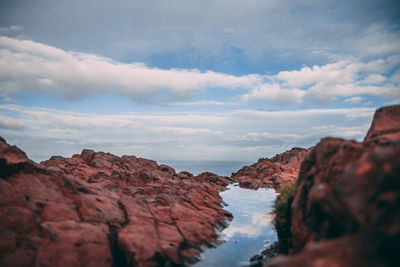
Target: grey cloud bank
232, 136
223, 34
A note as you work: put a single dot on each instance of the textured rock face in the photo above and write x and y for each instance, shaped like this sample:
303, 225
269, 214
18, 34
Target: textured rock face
346, 209
386, 123
97, 209
276, 172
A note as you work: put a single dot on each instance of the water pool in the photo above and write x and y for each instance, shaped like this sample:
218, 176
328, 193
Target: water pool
249, 232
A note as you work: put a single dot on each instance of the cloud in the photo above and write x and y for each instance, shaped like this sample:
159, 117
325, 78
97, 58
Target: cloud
374, 79
327, 83
10, 30
183, 130
246, 230
323, 93
329, 74
190, 34
251, 219
349, 72
237, 135
11, 124
276, 94
31, 66
263, 219
27, 66
354, 100
66, 120
205, 103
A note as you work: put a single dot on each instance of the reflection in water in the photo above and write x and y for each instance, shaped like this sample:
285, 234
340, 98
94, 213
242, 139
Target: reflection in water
249, 232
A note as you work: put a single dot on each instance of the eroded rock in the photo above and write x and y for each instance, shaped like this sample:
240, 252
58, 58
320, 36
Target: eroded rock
98, 209
276, 172
346, 209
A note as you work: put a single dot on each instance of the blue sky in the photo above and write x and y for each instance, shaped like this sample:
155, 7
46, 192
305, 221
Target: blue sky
193, 80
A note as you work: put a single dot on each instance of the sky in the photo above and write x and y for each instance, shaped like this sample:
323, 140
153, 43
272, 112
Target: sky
193, 81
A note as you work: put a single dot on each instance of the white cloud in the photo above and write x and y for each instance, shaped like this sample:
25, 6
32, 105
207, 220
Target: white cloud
323, 93
354, 100
330, 74
205, 103
30, 66
322, 84
183, 130
244, 230
374, 79
38, 68
351, 73
276, 94
263, 219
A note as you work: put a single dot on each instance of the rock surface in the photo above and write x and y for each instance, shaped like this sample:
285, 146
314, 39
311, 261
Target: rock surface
276, 172
97, 209
346, 211
385, 123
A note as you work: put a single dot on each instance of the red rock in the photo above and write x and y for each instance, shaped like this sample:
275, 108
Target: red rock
97, 209
337, 253
72, 243
11, 154
170, 238
208, 177
346, 209
385, 123
185, 175
140, 242
275, 172
167, 169
249, 182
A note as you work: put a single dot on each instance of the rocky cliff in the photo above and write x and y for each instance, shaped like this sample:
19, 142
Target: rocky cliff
97, 209
275, 172
346, 211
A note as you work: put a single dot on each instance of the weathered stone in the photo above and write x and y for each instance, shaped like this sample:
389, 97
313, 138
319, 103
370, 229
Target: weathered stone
276, 172
97, 209
346, 209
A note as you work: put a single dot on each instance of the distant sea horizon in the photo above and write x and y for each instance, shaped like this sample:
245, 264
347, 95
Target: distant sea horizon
220, 167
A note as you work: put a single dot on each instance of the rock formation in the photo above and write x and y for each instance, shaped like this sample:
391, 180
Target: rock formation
97, 209
346, 211
276, 172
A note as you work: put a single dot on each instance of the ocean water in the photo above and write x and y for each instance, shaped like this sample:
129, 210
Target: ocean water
222, 168
249, 232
